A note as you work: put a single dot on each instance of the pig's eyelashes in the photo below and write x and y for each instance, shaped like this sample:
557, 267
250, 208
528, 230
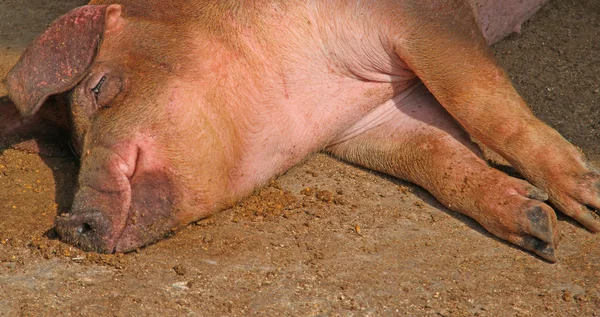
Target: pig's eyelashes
96, 89
106, 89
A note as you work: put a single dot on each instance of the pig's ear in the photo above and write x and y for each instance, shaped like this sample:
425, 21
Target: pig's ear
57, 59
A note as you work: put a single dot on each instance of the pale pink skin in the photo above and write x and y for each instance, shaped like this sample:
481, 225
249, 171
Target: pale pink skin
223, 113
497, 19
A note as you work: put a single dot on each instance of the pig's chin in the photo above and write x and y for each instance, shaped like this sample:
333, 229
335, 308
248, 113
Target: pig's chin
108, 222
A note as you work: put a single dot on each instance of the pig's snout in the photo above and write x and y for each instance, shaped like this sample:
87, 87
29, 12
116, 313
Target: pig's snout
121, 221
87, 229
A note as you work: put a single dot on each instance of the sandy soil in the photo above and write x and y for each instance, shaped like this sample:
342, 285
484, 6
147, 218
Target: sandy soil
325, 239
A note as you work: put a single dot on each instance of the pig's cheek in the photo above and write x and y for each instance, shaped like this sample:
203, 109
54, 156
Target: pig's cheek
151, 215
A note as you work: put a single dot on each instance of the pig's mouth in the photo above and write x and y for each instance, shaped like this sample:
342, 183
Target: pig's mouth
119, 213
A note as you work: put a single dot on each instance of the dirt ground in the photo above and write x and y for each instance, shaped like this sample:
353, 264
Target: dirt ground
326, 238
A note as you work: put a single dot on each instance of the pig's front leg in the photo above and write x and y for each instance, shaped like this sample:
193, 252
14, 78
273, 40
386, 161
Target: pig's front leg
451, 57
421, 143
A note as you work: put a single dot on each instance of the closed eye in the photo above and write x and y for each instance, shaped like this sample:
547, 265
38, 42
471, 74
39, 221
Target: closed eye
96, 89
103, 88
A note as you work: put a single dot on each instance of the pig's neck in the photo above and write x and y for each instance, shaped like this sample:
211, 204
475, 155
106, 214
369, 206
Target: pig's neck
271, 112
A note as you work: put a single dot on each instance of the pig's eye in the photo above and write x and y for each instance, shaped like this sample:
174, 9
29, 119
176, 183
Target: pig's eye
105, 90
96, 89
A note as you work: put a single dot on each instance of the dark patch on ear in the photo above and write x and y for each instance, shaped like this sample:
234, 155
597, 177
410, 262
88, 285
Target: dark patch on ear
57, 59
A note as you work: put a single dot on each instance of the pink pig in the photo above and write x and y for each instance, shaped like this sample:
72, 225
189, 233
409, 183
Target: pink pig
180, 108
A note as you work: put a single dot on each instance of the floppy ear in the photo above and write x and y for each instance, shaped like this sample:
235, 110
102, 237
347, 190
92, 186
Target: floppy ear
57, 59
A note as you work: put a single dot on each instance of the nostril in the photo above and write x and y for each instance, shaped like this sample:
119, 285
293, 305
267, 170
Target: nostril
88, 229
84, 229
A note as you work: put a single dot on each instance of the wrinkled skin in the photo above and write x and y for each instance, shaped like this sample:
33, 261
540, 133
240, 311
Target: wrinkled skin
180, 108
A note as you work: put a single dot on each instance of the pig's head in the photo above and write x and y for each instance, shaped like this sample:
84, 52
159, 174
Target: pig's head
150, 161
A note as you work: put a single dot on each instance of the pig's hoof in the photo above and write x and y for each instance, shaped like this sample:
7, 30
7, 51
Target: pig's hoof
540, 234
579, 199
543, 249
519, 216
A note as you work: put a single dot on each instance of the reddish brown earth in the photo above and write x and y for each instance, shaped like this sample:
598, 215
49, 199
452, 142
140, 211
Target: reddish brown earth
326, 238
